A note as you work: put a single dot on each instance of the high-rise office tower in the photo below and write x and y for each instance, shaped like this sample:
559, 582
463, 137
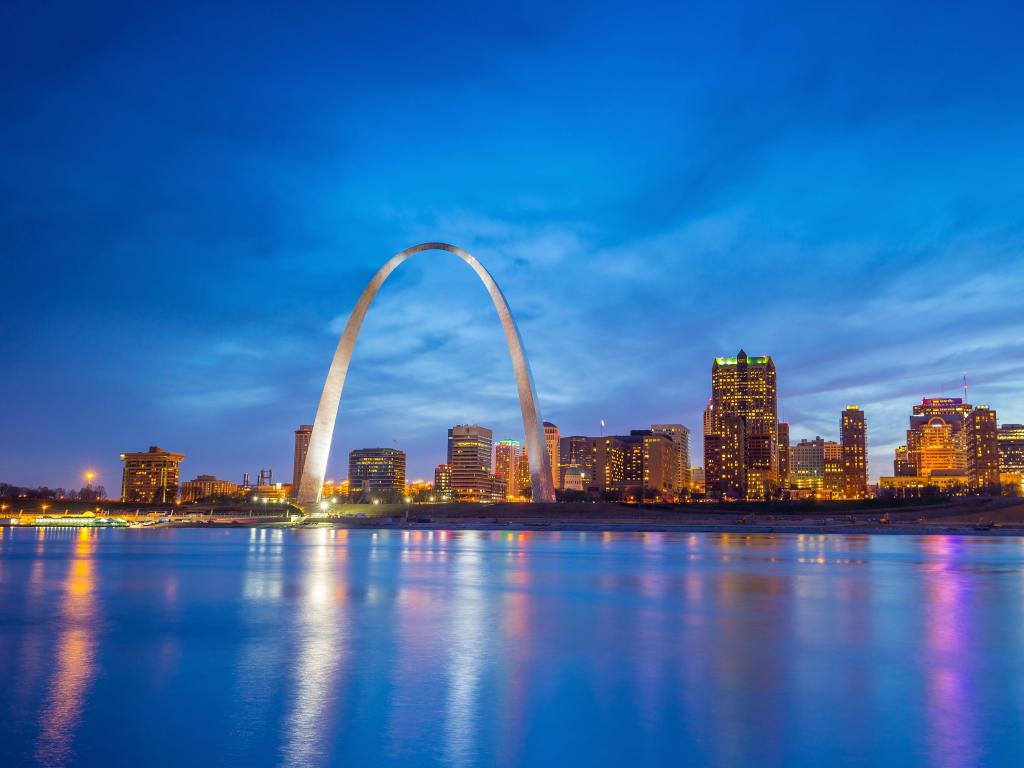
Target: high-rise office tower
576, 453
680, 437
469, 454
443, 482
936, 441
745, 387
1011, 448
725, 474
375, 469
783, 454
982, 449
507, 455
151, 477
551, 438
853, 435
302, 435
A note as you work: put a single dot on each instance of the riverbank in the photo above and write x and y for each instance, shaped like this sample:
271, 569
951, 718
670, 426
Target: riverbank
968, 516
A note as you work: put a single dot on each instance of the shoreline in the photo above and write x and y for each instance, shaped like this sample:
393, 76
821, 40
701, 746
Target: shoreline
590, 526
695, 527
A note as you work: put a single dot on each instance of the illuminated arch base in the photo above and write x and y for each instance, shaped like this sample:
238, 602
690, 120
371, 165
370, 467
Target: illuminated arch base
327, 413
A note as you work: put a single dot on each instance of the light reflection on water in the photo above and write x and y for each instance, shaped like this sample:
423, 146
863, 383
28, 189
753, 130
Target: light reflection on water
465, 648
74, 662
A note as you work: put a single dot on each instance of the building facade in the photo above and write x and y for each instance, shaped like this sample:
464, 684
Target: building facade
151, 477
744, 387
783, 454
207, 487
375, 470
853, 437
552, 442
936, 441
680, 437
443, 482
576, 453
982, 440
1011, 448
302, 435
725, 466
636, 466
507, 455
469, 455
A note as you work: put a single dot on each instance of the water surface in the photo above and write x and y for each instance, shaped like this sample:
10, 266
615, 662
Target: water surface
314, 647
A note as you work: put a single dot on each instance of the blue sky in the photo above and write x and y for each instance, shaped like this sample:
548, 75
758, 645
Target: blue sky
193, 198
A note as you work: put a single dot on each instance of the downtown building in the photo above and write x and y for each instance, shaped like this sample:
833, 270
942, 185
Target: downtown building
1011, 458
936, 441
507, 456
576, 462
151, 477
640, 465
376, 471
1011, 447
951, 446
783, 454
443, 482
680, 437
470, 448
741, 425
982, 439
552, 443
853, 437
816, 468
207, 487
302, 436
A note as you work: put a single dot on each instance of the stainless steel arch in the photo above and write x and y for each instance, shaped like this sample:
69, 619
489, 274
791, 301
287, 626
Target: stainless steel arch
327, 412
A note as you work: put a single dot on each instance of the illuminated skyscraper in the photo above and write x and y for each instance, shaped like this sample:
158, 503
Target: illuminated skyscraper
680, 437
783, 454
1011, 448
551, 438
745, 387
982, 449
853, 434
469, 454
507, 455
302, 435
373, 470
151, 477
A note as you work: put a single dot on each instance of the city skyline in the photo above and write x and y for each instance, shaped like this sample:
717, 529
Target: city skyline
842, 201
883, 459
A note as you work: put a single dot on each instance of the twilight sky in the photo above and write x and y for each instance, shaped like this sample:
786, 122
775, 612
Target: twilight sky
192, 200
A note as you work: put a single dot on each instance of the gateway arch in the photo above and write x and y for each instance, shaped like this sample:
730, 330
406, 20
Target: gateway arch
315, 466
